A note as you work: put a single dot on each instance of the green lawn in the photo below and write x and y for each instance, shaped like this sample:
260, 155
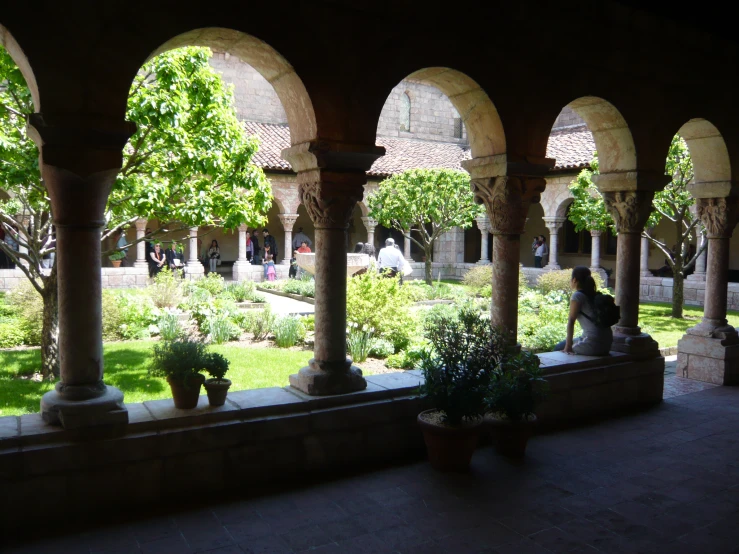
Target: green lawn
656, 320
125, 368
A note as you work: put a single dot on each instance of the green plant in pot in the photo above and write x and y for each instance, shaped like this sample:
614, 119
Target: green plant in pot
217, 386
181, 362
117, 257
457, 374
515, 390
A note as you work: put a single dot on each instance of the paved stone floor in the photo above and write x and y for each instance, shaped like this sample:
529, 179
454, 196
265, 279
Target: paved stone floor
662, 481
283, 305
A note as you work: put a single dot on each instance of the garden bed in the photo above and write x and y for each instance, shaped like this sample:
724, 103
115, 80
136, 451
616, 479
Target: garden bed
277, 292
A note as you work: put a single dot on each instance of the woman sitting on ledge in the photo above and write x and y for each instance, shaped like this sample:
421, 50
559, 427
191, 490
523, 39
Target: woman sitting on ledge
595, 341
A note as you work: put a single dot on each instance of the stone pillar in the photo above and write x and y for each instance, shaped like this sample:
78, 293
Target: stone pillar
506, 200
644, 258
407, 247
194, 267
370, 225
79, 162
595, 250
241, 266
554, 224
710, 350
141, 260
484, 225
700, 263
288, 221
630, 210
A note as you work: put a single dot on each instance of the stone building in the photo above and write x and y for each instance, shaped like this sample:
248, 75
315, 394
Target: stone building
88, 454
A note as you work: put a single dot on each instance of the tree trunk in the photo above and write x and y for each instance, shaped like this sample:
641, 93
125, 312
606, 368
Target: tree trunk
677, 292
50, 329
429, 278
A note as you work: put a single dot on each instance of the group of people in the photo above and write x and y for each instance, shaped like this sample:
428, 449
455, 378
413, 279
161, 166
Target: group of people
539, 249
173, 258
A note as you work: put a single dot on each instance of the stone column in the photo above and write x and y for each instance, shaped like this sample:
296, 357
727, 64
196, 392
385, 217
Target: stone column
484, 225
595, 250
79, 161
194, 267
630, 210
407, 247
370, 225
506, 200
700, 264
644, 258
241, 266
141, 260
288, 221
710, 350
554, 224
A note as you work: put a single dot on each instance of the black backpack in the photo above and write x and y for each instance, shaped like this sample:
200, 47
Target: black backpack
607, 313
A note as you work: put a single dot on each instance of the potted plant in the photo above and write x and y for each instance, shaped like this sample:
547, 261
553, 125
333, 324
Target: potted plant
181, 362
456, 371
217, 386
117, 257
516, 388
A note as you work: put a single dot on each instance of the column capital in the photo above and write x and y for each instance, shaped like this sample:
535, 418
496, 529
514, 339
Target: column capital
483, 223
554, 224
718, 215
288, 220
630, 209
243, 228
330, 196
369, 222
507, 199
595, 233
141, 224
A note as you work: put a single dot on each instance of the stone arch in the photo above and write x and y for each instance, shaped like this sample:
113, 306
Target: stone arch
563, 205
269, 63
19, 57
612, 136
711, 164
363, 207
479, 115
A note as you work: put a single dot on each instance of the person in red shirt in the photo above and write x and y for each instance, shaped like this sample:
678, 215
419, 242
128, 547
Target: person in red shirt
304, 248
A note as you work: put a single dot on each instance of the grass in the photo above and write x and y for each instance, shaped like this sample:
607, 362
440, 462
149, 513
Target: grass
125, 368
655, 319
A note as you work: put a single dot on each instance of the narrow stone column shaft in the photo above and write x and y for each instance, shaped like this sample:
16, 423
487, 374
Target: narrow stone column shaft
554, 224
627, 278
140, 244
288, 222
194, 246
595, 249
370, 225
644, 258
484, 225
717, 279
407, 247
700, 263
242, 243
504, 301
330, 311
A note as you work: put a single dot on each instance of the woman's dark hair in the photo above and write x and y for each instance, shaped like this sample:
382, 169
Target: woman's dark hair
358, 247
368, 249
585, 281
211, 243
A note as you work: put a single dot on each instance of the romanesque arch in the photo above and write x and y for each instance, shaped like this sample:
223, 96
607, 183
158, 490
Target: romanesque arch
269, 63
11, 45
711, 165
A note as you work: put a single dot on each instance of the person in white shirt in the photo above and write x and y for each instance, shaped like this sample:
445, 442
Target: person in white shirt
301, 237
390, 259
542, 250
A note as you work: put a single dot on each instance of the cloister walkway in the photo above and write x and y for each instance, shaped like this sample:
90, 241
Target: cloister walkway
664, 480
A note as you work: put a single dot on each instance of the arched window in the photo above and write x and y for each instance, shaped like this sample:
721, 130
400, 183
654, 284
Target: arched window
405, 112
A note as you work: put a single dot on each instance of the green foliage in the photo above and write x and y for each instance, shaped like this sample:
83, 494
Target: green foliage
28, 305
260, 323
11, 334
216, 365
310, 322
561, 281
517, 386
418, 291
381, 348
674, 201
222, 329
379, 303
588, 211
137, 316
303, 287
359, 341
117, 255
166, 292
213, 283
182, 358
169, 326
480, 280
243, 291
288, 330
112, 316
457, 369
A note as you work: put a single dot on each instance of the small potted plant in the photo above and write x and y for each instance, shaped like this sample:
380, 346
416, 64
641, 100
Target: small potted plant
217, 386
181, 362
456, 371
117, 257
516, 389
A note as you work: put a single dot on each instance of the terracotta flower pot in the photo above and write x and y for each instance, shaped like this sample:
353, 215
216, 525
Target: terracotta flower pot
217, 390
186, 394
116, 263
510, 437
449, 448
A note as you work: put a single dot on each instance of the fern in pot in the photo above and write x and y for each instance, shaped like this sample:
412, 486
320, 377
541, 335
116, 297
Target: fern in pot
457, 375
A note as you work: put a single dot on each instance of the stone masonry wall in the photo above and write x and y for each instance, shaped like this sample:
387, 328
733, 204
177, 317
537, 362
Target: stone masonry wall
567, 118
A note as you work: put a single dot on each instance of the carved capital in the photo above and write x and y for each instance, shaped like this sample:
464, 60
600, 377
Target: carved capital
596, 233
507, 199
330, 198
370, 223
483, 223
243, 228
629, 209
718, 215
554, 224
288, 221
141, 224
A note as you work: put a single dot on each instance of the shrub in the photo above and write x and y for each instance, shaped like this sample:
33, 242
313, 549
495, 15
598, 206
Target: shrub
27, 303
517, 386
183, 358
288, 330
409, 358
221, 329
560, 281
378, 302
478, 277
303, 287
166, 292
169, 326
381, 348
359, 341
212, 282
430, 316
137, 316
11, 334
243, 291
310, 322
260, 323
112, 316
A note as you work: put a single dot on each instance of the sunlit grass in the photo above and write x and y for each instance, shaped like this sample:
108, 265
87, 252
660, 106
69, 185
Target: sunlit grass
655, 318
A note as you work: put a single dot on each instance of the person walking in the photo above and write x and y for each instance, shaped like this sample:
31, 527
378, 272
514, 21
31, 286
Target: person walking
390, 259
214, 255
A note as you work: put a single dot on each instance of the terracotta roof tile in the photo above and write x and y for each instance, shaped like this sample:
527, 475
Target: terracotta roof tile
572, 148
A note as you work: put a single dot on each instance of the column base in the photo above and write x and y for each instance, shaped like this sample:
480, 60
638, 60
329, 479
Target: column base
62, 407
645, 274
194, 270
240, 270
696, 277
552, 267
140, 264
483, 262
630, 340
321, 379
708, 359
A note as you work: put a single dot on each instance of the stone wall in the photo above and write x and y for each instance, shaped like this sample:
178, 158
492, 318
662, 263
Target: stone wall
567, 118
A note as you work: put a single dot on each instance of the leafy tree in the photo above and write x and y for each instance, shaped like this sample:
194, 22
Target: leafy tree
673, 203
423, 204
188, 164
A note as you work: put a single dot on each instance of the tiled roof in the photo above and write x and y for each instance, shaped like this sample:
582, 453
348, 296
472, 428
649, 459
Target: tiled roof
572, 148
